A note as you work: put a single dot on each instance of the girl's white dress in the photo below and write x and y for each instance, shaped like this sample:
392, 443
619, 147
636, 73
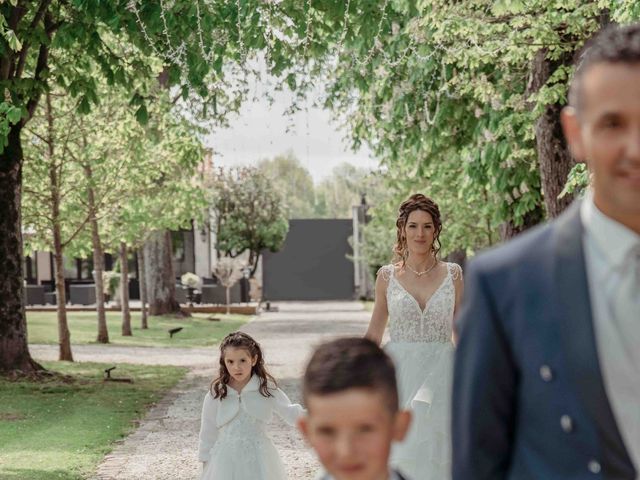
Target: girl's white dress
233, 441
422, 350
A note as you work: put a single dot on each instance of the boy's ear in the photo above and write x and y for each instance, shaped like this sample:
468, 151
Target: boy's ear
303, 426
401, 425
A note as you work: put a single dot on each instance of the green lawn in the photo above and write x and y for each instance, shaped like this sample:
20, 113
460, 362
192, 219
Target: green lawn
61, 430
368, 305
197, 331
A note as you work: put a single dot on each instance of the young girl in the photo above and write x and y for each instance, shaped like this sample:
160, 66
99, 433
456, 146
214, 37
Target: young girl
233, 440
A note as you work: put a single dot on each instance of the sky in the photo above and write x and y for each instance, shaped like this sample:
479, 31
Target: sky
262, 130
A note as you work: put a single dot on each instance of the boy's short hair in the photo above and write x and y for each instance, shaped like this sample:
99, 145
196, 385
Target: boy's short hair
613, 44
348, 363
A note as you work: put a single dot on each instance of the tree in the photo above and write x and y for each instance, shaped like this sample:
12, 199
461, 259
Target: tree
293, 181
249, 214
30, 30
107, 162
228, 270
473, 83
343, 188
51, 204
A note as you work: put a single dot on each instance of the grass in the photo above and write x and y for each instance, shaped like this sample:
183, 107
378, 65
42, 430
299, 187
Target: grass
197, 331
61, 430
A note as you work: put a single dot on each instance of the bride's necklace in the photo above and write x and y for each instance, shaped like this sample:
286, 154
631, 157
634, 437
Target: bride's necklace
424, 272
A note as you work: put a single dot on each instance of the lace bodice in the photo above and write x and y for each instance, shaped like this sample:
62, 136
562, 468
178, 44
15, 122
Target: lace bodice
243, 434
408, 322
242, 429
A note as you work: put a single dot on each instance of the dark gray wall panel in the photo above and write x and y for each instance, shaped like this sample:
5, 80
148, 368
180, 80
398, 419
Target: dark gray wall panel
312, 264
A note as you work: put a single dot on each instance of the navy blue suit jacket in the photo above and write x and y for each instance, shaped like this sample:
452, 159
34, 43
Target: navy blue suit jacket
528, 396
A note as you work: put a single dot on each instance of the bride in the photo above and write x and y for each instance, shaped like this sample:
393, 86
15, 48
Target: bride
419, 295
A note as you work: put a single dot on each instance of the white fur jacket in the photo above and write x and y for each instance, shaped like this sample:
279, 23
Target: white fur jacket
217, 413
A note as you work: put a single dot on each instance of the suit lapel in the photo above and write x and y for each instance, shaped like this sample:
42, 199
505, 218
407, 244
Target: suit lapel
578, 336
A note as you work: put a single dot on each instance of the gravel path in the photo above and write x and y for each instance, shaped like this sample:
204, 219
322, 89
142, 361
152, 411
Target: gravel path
165, 444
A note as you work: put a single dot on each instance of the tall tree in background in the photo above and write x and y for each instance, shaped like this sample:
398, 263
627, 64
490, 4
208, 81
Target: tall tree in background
249, 214
345, 187
51, 204
293, 181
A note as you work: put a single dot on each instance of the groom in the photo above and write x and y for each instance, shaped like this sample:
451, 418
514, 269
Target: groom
547, 374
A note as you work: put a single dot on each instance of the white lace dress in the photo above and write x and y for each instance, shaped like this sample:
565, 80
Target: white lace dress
421, 347
234, 444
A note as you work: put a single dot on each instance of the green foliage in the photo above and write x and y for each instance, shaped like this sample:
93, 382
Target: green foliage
344, 188
578, 180
249, 213
9, 115
293, 182
333, 197
141, 176
441, 92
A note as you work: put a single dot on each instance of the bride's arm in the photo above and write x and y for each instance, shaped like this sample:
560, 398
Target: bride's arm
458, 282
380, 313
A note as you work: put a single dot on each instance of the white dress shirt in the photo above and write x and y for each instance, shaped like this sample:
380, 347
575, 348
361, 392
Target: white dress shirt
611, 255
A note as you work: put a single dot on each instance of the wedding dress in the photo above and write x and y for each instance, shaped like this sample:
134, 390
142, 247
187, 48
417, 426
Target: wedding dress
234, 444
422, 350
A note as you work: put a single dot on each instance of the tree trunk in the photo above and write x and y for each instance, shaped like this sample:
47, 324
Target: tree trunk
554, 159
253, 264
143, 288
124, 289
64, 337
161, 282
531, 219
14, 351
228, 300
98, 259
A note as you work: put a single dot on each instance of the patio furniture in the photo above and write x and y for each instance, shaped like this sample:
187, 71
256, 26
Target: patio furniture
217, 294
50, 298
84, 294
34, 295
181, 294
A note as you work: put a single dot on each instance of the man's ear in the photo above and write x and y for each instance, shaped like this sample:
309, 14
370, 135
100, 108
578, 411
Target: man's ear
572, 132
401, 425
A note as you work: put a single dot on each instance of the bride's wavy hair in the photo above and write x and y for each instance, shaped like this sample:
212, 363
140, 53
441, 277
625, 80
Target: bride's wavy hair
218, 387
417, 201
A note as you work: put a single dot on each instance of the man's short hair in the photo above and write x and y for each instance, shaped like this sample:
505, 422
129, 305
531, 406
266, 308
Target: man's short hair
348, 363
613, 44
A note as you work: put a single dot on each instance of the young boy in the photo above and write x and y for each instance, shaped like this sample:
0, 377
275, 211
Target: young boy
351, 395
